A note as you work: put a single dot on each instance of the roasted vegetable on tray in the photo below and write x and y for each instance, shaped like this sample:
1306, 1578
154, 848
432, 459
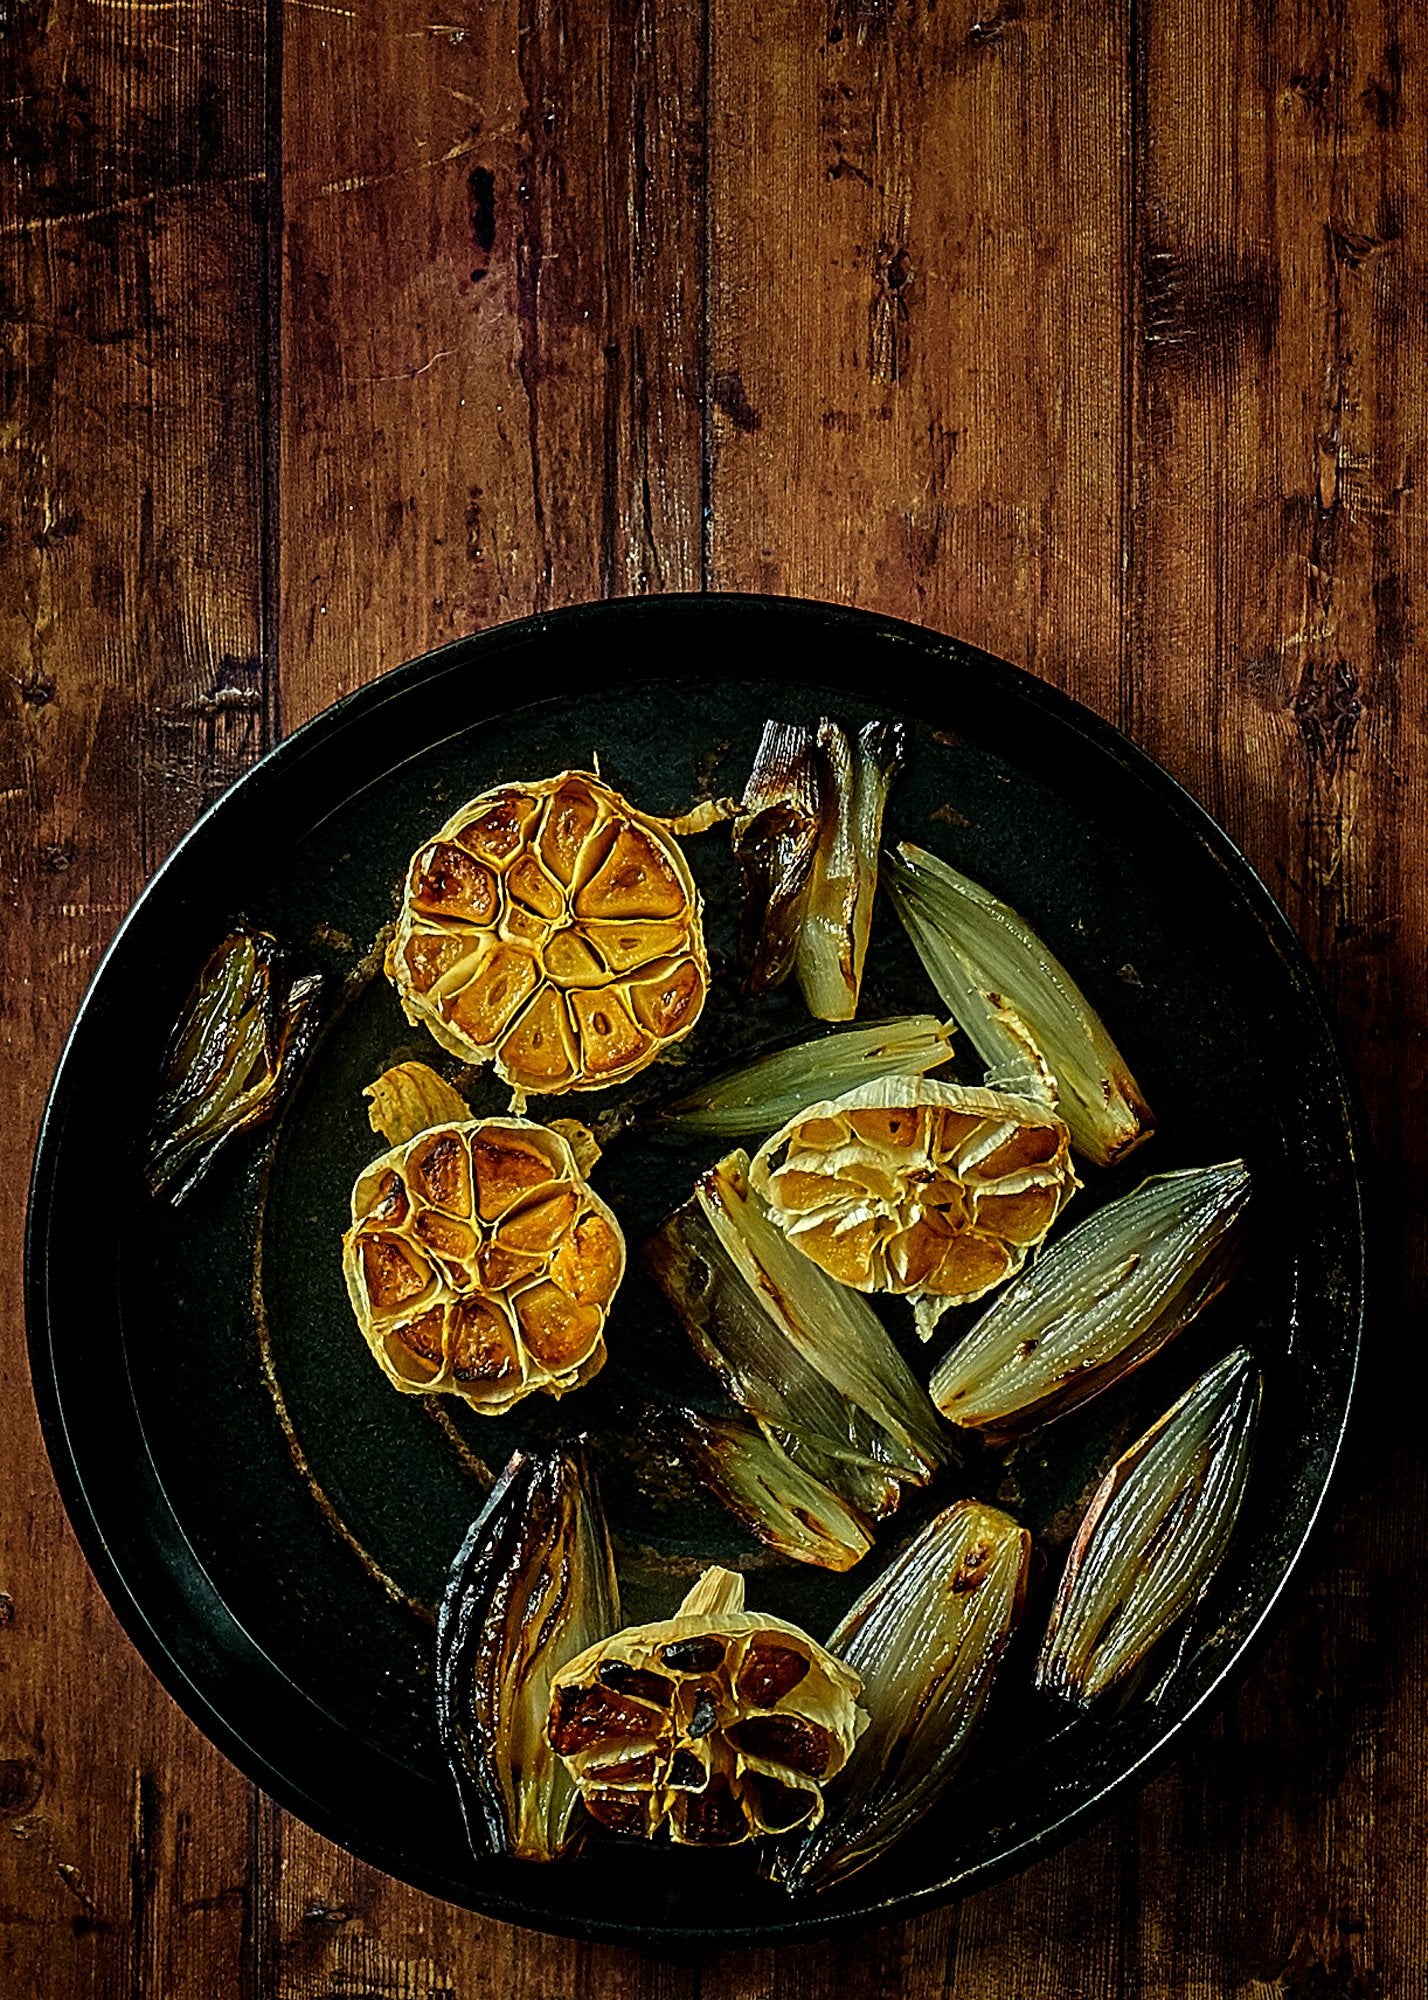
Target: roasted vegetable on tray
1002, 985
1154, 1534
918, 1187
553, 930
533, 1585
1097, 1303
806, 839
808, 1359
480, 1262
762, 1094
235, 1049
926, 1640
718, 1723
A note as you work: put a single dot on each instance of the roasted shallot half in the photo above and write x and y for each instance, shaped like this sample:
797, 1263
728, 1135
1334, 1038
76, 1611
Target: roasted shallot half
763, 1093
235, 1048
918, 1187
480, 1262
774, 1496
1017, 1003
925, 1640
1154, 1534
533, 1586
838, 909
1097, 1303
808, 1360
806, 839
718, 1723
775, 838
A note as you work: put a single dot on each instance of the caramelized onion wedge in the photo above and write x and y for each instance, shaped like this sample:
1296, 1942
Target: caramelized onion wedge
773, 1496
1098, 1303
240, 1039
810, 1361
825, 1433
775, 837
1004, 960
926, 1640
1154, 1534
838, 906
764, 1093
533, 1586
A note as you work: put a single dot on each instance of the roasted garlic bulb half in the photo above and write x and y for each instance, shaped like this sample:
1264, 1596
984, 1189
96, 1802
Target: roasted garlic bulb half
719, 1723
554, 931
912, 1186
480, 1263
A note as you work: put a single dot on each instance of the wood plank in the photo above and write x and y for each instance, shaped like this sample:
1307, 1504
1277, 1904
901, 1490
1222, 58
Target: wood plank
491, 347
491, 365
920, 310
132, 233
919, 252
1279, 542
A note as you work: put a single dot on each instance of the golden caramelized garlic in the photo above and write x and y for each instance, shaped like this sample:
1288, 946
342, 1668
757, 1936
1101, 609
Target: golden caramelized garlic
479, 1262
554, 931
912, 1186
720, 1723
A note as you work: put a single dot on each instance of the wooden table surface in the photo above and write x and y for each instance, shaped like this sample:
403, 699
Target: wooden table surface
1091, 332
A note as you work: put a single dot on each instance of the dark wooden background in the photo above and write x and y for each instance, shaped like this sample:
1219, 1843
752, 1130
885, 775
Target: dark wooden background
1092, 332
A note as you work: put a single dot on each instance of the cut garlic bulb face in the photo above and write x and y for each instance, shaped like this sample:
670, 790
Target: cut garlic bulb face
719, 1723
916, 1187
554, 931
480, 1263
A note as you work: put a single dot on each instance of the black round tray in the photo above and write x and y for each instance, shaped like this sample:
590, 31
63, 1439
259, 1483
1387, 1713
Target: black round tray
272, 1523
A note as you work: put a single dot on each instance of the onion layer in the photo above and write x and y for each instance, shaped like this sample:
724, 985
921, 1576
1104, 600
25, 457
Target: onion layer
533, 1586
1154, 1534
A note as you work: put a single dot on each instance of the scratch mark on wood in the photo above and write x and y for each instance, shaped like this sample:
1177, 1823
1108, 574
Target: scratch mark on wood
36, 225
354, 182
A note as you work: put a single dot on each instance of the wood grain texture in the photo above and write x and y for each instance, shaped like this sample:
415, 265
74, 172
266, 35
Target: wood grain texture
132, 234
1095, 335
491, 331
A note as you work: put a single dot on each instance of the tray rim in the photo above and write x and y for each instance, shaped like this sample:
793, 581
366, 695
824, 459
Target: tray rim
362, 704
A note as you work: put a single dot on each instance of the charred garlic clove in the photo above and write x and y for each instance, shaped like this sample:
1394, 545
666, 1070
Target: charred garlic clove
533, 1585
235, 1048
918, 1187
719, 1723
479, 1262
1154, 1534
553, 930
